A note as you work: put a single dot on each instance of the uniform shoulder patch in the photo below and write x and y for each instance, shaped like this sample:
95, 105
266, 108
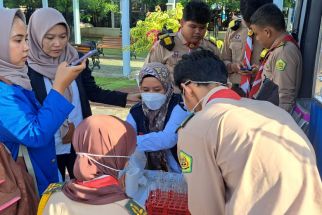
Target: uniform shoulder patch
134, 208
280, 65
54, 187
211, 40
185, 161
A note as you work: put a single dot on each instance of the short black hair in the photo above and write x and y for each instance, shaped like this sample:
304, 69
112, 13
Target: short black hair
269, 15
248, 7
201, 66
196, 11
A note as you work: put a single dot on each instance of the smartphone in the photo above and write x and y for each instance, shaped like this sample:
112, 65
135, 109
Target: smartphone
246, 69
87, 55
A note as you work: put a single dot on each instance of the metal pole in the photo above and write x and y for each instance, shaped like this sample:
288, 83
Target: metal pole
44, 3
125, 21
113, 18
77, 33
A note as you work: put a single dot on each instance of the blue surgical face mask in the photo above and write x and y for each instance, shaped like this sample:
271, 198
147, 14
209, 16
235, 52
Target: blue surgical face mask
153, 101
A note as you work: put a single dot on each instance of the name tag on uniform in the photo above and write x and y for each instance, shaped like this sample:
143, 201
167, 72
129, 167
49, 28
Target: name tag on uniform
175, 54
237, 37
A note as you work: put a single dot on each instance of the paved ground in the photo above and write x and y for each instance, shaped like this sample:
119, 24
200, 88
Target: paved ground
112, 66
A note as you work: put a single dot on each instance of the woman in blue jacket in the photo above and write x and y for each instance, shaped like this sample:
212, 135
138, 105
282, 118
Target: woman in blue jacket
157, 117
23, 121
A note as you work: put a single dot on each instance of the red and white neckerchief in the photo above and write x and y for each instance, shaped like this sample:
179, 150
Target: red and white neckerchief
258, 79
104, 181
225, 94
246, 78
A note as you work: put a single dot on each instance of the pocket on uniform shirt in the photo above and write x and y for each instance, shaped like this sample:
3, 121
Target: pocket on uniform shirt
236, 51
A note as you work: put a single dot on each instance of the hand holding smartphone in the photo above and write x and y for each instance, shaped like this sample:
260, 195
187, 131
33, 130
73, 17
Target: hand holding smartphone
87, 55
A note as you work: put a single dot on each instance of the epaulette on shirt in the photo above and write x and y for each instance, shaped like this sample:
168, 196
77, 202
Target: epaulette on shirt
52, 188
234, 24
166, 40
212, 40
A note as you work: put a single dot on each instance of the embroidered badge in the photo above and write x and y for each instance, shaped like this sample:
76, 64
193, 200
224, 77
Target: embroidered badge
54, 187
134, 208
185, 161
280, 65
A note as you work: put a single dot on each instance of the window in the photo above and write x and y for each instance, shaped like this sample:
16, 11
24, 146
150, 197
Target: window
317, 89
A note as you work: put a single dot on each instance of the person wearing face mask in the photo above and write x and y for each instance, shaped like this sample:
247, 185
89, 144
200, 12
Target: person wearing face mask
27, 128
103, 145
190, 37
48, 38
239, 155
157, 117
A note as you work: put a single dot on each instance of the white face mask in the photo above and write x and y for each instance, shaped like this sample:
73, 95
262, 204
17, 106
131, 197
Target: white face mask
153, 101
90, 157
198, 82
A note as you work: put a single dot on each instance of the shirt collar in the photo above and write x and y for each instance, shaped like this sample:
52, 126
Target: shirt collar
215, 89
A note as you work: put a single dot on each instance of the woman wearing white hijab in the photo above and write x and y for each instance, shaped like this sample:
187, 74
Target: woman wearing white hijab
23, 121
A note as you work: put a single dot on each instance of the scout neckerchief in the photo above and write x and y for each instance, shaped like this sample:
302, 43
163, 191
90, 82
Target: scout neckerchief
100, 182
224, 94
246, 78
258, 79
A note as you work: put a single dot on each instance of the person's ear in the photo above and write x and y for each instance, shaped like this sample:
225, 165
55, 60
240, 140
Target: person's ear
182, 22
268, 32
186, 89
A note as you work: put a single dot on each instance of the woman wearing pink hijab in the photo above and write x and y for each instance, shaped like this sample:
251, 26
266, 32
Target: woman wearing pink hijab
49, 45
102, 144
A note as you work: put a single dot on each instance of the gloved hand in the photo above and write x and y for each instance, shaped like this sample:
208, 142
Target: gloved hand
137, 160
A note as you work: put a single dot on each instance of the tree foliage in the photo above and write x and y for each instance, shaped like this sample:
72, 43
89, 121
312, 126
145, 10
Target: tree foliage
96, 10
144, 33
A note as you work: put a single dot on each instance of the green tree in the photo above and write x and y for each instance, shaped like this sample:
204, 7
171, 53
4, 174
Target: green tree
144, 34
96, 10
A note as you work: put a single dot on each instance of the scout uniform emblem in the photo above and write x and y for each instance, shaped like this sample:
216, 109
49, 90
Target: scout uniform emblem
134, 208
280, 65
185, 161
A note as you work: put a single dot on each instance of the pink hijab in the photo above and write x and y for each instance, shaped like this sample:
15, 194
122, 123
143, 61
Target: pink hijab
101, 135
41, 21
16, 74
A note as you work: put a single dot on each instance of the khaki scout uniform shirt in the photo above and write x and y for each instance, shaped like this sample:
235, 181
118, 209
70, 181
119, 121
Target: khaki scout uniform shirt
248, 157
234, 50
59, 204
284, 68
170, 58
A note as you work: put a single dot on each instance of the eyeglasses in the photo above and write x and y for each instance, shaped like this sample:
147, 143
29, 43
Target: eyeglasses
200, 82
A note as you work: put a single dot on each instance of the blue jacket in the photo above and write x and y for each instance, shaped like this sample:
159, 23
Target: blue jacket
24, 121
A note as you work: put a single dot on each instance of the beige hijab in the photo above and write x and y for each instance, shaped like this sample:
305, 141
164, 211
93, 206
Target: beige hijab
41, 21
100, 135
15, 74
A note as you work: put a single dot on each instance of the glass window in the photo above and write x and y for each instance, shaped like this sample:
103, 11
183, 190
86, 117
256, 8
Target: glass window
317, 90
